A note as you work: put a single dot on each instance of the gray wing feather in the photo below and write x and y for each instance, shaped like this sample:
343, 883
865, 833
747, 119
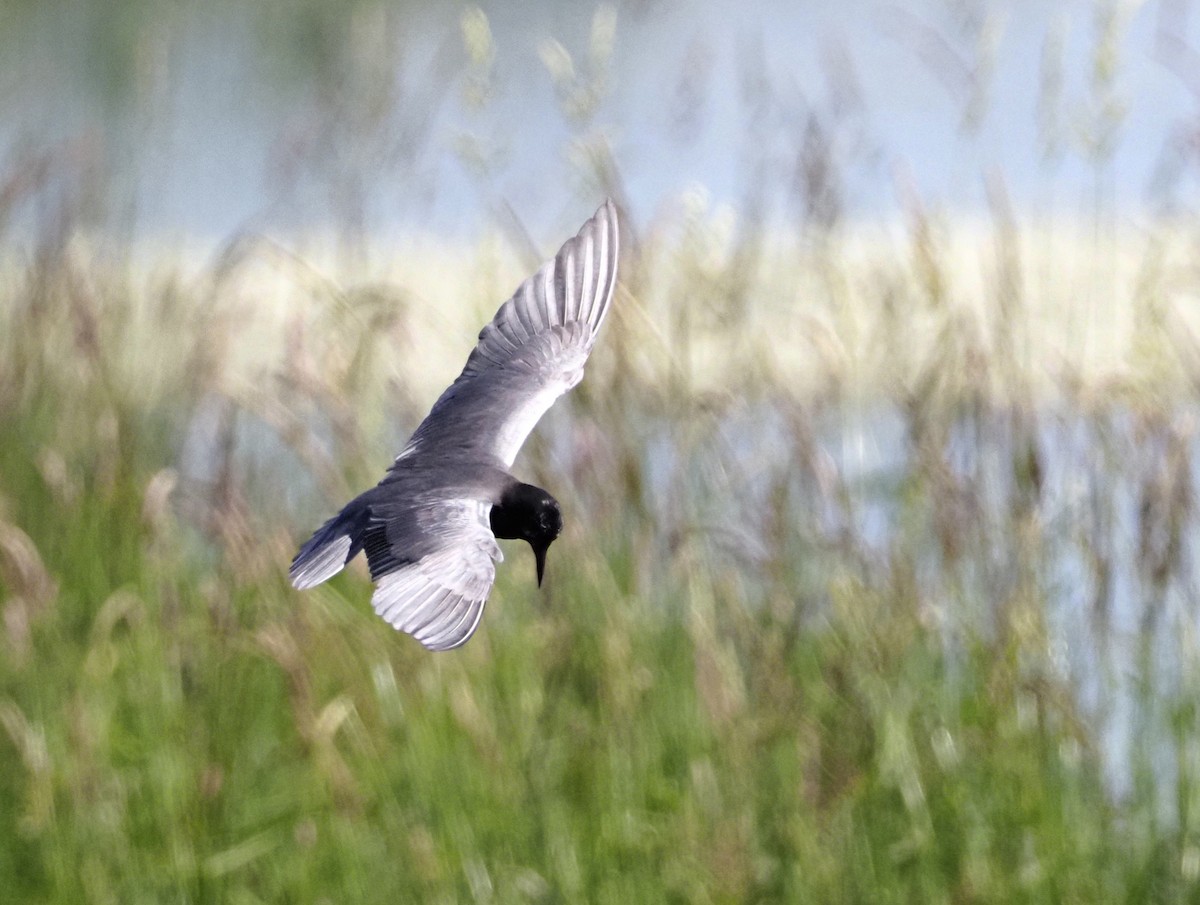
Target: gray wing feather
576, 286
439, 598
531, 353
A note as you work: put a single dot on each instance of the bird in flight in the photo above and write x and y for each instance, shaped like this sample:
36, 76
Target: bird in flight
429, 528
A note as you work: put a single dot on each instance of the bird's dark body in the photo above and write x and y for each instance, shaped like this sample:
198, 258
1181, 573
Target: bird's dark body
429, 528
379, 518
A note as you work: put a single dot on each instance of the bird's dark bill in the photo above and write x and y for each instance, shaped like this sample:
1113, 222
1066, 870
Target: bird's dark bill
540, 554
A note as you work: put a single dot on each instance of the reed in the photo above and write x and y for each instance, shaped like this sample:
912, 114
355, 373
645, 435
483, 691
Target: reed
877, 582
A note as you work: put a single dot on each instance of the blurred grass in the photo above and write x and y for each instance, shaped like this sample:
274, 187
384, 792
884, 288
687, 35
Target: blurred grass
876, 586
734, 687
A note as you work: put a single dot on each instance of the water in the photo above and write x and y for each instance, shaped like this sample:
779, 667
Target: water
208, 121
1079, 545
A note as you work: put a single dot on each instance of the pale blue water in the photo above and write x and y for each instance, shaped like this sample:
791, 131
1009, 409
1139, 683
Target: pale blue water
227, 122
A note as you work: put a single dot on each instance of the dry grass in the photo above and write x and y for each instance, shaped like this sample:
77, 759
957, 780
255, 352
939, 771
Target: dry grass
812, 633
877, 583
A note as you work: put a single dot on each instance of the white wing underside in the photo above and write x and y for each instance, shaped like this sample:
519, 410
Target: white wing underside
327, 562
521, 421
439, 599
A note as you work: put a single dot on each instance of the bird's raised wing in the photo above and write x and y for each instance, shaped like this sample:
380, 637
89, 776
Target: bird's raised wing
433, 564
531, 353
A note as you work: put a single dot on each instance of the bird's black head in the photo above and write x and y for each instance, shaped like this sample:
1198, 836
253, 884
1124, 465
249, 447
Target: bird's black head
530, 514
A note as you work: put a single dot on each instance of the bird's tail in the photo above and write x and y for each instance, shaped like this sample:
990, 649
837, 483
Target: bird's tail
332, 546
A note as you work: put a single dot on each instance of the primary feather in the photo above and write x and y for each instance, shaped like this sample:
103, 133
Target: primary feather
531, 353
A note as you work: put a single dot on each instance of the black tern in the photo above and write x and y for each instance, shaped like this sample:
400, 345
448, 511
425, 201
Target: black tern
429, 528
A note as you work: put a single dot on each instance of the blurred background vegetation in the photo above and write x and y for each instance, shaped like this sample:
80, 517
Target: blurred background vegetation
878, 583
